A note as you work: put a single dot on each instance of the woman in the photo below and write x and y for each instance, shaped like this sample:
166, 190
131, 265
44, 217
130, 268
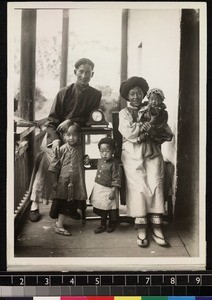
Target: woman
144, 171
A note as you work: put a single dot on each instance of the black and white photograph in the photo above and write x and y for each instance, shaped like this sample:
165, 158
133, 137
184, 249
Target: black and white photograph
106, 137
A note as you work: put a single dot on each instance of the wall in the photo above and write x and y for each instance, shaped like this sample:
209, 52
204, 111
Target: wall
157, 60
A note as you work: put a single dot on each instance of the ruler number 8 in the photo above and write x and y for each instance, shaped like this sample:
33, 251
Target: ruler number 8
172, 280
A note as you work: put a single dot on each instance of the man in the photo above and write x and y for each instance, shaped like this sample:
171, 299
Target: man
72, 103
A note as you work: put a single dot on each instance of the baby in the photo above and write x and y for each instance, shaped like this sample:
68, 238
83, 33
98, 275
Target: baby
153, 121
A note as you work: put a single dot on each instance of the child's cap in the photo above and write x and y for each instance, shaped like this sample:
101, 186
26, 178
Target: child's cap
107, 140
156, 91
83, 61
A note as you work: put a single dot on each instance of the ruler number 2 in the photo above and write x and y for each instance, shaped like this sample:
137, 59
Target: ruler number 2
21, 281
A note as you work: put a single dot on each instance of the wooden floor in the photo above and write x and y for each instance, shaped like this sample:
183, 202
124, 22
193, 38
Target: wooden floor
40, 240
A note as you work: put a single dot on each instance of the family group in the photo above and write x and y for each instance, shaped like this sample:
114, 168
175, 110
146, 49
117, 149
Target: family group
60, 174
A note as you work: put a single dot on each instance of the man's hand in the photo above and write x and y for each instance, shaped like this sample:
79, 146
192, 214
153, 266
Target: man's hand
112, 195
54, 186
63, 126
56, 148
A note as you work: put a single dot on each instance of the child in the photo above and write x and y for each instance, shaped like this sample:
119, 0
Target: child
154, 112
104, 196
69, 183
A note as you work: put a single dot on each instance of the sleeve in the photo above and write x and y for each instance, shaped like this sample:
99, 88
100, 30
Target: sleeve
54, 117
94, 104
162, 131
55, 166
116, 175
129, 130
163, 134
94, 163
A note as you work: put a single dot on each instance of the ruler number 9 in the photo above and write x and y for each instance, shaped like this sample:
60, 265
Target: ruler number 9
197, 280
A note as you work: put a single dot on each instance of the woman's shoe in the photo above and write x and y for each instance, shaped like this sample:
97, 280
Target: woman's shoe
100, 229
142, 242
62, 231
160, 241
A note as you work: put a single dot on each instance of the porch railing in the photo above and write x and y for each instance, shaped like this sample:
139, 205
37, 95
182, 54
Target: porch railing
23, 160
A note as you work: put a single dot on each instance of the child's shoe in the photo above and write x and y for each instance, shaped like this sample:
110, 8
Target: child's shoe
111, 228
100, 229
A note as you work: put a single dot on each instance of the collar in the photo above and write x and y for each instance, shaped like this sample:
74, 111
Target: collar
80, 87
71, 147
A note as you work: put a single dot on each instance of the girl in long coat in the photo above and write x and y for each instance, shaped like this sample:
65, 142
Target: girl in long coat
144, 171
69, 182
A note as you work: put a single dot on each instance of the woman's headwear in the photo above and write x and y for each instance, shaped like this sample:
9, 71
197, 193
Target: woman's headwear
83, 61
131, 83
107, 140
156, 91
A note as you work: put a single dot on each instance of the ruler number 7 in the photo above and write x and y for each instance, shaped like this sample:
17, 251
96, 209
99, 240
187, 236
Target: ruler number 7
147, 280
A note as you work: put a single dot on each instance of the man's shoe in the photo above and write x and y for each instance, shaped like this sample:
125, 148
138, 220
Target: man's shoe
34, 215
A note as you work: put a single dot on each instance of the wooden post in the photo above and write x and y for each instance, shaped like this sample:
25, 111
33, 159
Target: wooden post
187, 194
27, 65
64, 50
27, 76
124, 52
